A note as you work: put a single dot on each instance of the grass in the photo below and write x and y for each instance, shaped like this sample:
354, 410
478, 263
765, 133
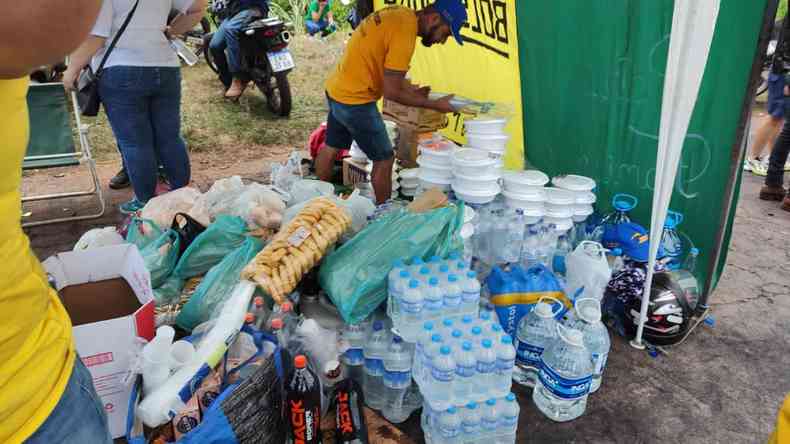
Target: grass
211, 123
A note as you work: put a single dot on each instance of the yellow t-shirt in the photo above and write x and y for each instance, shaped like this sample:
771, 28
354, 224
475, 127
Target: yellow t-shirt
781, 434
36, 347
384, 40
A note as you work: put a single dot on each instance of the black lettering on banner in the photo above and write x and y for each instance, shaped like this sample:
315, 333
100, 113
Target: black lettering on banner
487, 26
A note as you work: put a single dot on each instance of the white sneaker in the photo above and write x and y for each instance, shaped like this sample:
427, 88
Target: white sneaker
747, 164
787, 165
759, 168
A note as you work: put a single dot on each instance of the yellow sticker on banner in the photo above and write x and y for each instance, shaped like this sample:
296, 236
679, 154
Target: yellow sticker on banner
484, 69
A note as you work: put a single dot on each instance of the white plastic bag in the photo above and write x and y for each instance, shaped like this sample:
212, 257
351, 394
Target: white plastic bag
99, 237
162, 209
217, 200
306, 189
587, 268
259, 205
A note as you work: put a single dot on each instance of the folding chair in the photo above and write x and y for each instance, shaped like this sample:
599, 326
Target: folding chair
52, 143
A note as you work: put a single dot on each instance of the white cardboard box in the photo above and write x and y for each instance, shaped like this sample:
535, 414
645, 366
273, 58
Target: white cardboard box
107, 315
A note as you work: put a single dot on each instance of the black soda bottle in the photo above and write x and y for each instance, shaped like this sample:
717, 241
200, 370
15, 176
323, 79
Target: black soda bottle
303, 403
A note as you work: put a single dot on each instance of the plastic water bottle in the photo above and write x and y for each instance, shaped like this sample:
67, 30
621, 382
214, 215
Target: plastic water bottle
449, 426
416, 263
411, 308
514, 239
354, 357
470, 423
476, 336
564, 379
486, 369
447, 327
429, 421
465, 371
452, 296
442, 376
425, 274
470, 293
434, 300
456, 339
671, 241
397, 379
392, 277
434, 263
563, 249
400, 284
505, 362
529, 250
690, 264
596, 337
490, 418
499, 239
423, 341
467, 324
430, 353
535, 331
375, 349
508, 420
443, 273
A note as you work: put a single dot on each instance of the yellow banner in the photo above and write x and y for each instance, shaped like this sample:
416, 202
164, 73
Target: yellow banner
485, 68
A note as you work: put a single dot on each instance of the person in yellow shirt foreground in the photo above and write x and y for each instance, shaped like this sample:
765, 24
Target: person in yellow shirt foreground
374, 66
46, 393
781, 434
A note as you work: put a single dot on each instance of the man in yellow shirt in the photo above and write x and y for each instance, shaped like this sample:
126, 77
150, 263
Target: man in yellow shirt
374, 66
46, 394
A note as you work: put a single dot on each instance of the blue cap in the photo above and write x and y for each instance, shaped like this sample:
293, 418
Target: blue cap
457, 333
491, 401
454, 256
404, 274
414, 283
447, 322
416, 260
378, 325
452, 278
486, 316
477, 331
471, 275
397, 263
445, 350
433, 282
507, 339
496, 328
467, 319
428, 325
633, 239
425, 270
510, 397
436, 338
452, 410
487, 343
435, 259
467, 345
444, 268
471, 405
397, 339
454, 14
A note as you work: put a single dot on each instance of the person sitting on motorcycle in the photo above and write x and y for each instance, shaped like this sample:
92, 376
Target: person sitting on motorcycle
227, 37
319, 18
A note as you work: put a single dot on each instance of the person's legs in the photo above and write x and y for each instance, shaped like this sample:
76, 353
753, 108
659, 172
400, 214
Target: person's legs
125, 92
766, 136
314, 27
79, 416
217, 47
774, 181
338, 137
381, 179
166, 122
232, 29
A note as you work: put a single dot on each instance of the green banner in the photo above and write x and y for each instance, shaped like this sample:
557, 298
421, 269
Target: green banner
592, 76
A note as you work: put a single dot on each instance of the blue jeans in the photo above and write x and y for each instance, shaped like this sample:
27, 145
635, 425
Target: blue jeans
227, 37
315, 27
79, 416
143, 105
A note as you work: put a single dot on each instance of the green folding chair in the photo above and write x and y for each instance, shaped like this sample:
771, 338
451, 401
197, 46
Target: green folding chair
52, 144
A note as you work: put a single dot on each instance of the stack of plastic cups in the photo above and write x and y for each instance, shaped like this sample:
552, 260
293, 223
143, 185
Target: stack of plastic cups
156, 359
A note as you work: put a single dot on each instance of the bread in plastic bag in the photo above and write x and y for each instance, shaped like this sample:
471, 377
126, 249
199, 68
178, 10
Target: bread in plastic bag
163, 208
222, 237
99, 237
259, 205
355, 275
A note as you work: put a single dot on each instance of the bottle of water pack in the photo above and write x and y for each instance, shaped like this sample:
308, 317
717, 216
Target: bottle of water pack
452, 296
397, 379
392, 277
476, 337
425, 274
423, 341
465, 371
486, 369
400, 283
434, 263
411, 309
596, 337
535, 331
415, 264
430, 353
508, 420
456, 339
514, 239
470, 423
467, 324
434, 300
490, 418
505, 362
449, 429
470, 293
563, 249
529, 251
375, 349
447, 328
354, 357
442, 377
443, 273
565, 375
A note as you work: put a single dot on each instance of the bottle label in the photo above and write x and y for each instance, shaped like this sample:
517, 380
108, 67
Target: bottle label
599, 362
396, 379
471, 427
563, 387
374, 367
510, 421
452, 300
470, 296
528, 354
411, 307
449, 432
432, 305
488, 423
354, 356
465, 371
486, 367
504, 365
442, 374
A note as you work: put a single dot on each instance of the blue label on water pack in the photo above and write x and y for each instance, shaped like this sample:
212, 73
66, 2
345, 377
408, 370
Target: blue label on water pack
528, 354
505, 365
374, 367
442, 375
486, 367
563, 387
398, 380
470, 428
354, 356
465, 371
452, 301
433, 305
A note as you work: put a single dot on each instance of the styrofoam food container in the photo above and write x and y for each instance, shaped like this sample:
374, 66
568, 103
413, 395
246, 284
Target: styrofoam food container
533, 215
490, 142
442, 184
518, 181
559, 212
562, 224
430, 171
409, 192
530, 199
477, 182
437, 152
485, 126
409, 173
585, 197
560, 197
572, 182
476, 196
470, 162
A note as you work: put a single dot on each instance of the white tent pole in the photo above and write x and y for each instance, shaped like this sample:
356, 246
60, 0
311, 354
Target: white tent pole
693, 25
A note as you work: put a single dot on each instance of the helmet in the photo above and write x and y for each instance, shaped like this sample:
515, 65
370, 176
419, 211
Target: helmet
668, 313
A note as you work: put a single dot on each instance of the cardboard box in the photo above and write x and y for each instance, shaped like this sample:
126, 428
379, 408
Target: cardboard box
107, 293
354, 172
420, 119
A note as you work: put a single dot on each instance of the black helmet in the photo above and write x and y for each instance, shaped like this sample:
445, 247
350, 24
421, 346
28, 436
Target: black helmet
668, 314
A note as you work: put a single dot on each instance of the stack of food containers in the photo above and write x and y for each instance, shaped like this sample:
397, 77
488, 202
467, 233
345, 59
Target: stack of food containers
488, 134
524, 190
357, 155
369, 186
475, 176
436, 170
559, 209
409, 181
582, 189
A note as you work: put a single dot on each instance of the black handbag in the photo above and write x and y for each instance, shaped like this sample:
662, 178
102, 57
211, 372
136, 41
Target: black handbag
88, 85
187, 228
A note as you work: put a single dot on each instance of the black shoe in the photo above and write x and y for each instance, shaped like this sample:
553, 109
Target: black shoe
120, 180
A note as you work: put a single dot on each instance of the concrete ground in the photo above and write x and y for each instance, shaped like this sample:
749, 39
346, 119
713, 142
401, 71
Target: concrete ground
724, 384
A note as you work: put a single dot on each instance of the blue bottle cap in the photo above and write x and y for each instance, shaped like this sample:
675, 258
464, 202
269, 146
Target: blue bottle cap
433, 282
452, 278
460, 265
617, 252
487, 343
445, 350
491, 402
467, 346
507, 339
436, 338
414, 283
435, 259
397, 263
404, 274
471, 405
397, 339
477, 331
378, 325
457, 334
444, 268
510, 397
425, 270
416, 260
471, 275
428, 325
467, 319
486, 316
452, 410
496, 328
447, 323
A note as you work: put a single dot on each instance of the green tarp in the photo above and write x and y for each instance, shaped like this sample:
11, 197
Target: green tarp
592, 79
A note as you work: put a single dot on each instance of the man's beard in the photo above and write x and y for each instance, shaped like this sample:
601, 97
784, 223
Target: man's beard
427, 40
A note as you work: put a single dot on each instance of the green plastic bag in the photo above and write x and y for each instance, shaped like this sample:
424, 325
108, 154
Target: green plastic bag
211, 246
136, 233
169, 292
355, 275
161, 256
217, 285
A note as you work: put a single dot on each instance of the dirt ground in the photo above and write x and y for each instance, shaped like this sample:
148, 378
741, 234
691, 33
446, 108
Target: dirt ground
724, 384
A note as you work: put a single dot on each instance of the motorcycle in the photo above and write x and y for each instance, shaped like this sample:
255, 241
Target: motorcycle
265, 58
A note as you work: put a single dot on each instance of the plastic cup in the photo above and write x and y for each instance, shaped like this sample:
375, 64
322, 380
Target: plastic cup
181, 353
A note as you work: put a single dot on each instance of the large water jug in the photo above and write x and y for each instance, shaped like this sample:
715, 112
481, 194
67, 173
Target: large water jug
353, 357
671, 241
535, 331
596, 337
375, 349
397, 379
564, 378
622, 205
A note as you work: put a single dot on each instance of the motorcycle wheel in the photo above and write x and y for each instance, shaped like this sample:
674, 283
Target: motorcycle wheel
207, 53
278, 98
